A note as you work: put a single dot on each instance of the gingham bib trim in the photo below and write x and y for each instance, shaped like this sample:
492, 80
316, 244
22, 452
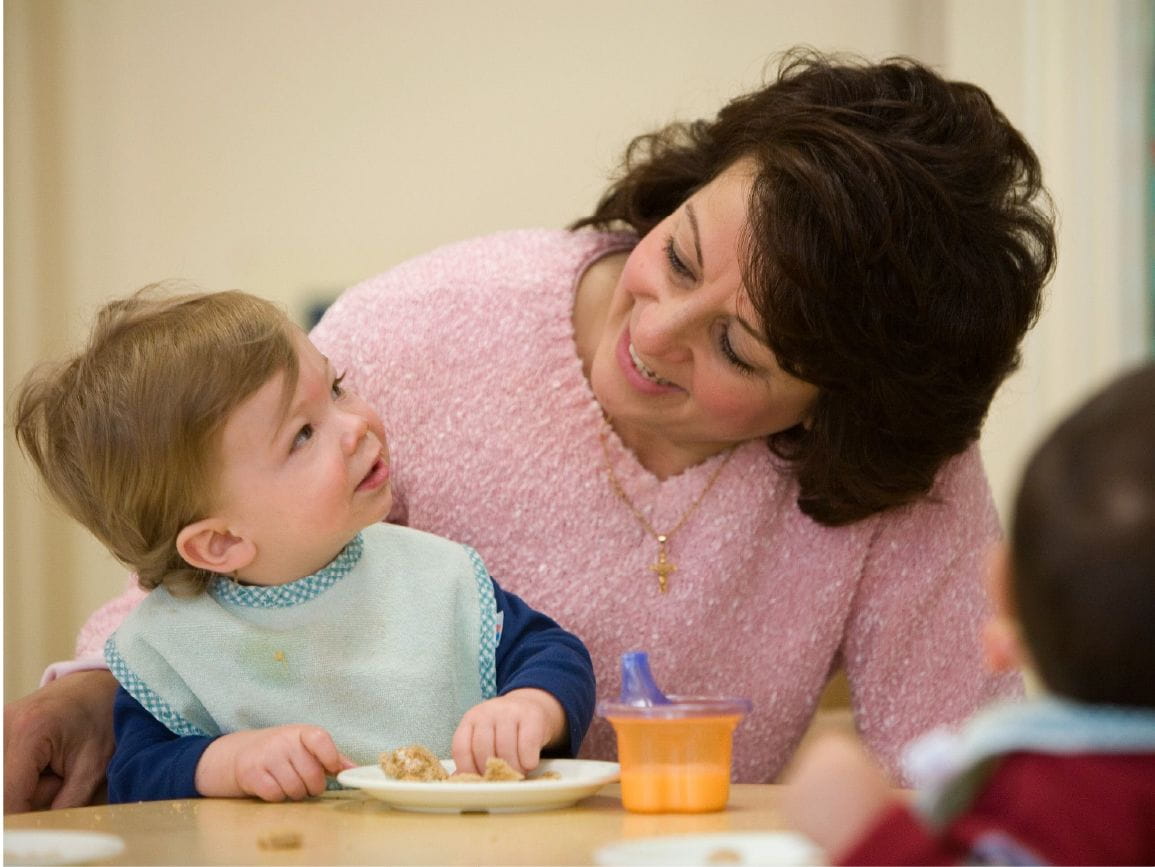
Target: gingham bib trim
226, 590
148, 699
487, 606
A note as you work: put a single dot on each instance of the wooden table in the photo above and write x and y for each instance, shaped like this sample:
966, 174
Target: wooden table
360, 830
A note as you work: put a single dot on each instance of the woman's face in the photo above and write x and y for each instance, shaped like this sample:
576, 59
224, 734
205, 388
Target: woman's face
682, 362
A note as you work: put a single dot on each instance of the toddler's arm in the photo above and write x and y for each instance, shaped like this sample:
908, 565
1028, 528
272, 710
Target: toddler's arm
274, 764
151, 763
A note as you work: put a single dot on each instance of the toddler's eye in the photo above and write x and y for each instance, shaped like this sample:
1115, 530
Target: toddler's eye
303, 436
336, 388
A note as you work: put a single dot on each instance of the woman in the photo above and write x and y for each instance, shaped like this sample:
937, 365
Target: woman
739, 430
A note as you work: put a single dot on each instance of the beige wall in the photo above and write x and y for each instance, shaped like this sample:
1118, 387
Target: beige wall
292, 147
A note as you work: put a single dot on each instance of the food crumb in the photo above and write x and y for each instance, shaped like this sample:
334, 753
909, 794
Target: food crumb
414, 762
498, 771
724, 856
280, 840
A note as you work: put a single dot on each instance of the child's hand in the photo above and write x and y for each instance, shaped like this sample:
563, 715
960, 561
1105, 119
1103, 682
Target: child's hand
835, 793
514, 727
283, 762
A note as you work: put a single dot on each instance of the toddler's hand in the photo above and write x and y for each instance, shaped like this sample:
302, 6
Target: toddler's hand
835, 793
514, 727
274, 764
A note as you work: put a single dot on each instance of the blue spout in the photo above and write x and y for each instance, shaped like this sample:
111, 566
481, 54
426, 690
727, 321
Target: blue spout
638, 687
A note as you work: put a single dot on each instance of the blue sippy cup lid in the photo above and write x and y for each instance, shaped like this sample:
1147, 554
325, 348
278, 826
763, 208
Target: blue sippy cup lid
641, 699
638, 687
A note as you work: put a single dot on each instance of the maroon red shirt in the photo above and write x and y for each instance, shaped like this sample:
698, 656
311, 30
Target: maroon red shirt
1034, 809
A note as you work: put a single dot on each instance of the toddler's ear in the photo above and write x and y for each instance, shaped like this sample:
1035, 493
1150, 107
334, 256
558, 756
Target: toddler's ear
208, 544
1002, 648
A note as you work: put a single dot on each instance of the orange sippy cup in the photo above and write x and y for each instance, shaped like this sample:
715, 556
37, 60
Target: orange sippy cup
674, 751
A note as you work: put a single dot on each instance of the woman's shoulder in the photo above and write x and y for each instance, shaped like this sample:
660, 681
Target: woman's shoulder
957, 513
504, 257
506, 277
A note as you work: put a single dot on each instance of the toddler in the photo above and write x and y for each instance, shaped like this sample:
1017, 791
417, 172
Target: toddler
288, 633
1068, 777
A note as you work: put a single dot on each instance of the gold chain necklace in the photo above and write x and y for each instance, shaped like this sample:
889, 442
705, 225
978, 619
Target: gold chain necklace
663, 566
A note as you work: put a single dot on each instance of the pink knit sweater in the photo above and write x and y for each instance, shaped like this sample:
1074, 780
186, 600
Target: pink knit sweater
468, 352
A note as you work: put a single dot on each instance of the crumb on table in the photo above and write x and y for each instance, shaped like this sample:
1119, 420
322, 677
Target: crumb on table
280, 840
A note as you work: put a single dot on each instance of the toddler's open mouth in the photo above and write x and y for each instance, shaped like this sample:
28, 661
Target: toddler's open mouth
377, 476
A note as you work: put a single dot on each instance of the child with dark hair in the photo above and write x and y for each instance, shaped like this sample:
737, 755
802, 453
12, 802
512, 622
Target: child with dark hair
1067, 777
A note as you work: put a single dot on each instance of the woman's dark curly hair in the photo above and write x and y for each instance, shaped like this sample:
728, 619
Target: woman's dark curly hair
898, 242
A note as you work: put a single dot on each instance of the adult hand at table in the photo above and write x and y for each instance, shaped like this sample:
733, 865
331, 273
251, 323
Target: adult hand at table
57, 743
515, 727
289, 761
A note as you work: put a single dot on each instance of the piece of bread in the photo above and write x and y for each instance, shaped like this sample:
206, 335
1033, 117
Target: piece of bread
413, 762
498, 771
417, 763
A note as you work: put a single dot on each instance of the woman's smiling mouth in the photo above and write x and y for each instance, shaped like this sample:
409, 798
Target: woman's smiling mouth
635, 372
641, 367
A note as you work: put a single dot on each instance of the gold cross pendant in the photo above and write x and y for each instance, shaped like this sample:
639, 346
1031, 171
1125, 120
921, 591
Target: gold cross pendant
663, 567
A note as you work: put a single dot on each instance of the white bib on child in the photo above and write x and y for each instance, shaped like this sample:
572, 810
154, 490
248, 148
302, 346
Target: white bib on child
386, 646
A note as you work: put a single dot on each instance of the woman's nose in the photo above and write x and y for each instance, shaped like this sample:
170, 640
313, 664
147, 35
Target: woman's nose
666, 327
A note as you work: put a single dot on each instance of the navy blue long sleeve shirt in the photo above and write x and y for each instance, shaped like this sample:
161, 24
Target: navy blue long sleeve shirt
151, 763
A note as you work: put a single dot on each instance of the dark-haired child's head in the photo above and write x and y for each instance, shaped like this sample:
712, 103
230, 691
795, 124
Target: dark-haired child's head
1081, 566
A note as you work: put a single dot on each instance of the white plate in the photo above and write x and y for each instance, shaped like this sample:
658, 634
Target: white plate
769, 847
59, 847
579, 779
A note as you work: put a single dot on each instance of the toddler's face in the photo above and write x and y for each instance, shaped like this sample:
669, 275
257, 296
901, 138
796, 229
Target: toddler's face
300, 484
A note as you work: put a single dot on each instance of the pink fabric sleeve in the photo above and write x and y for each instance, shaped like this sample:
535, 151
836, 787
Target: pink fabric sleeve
912, 648
95, 631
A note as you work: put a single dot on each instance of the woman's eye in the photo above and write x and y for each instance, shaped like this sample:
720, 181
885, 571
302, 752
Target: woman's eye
675, 260
337, 390
728, 350
303, 436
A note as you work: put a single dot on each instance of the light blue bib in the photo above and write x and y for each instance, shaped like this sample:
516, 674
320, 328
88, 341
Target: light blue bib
387, 645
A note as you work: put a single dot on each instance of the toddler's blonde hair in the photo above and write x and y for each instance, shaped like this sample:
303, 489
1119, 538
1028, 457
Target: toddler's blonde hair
125, 433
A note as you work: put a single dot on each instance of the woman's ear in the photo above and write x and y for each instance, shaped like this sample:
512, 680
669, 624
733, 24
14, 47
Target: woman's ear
207, 544
1002, 647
